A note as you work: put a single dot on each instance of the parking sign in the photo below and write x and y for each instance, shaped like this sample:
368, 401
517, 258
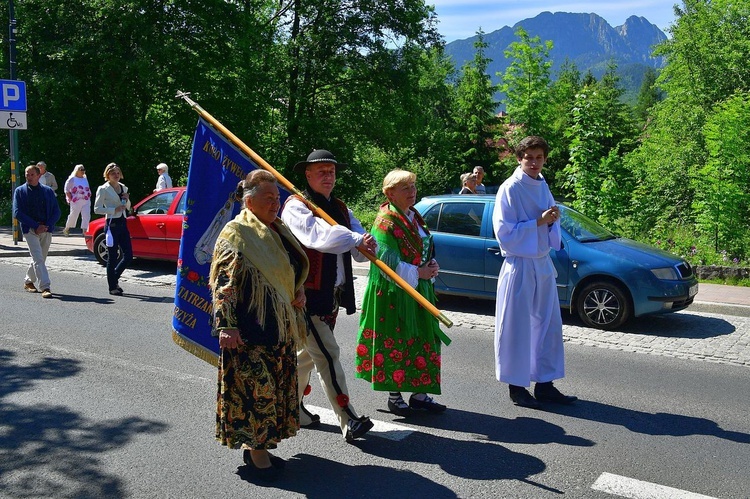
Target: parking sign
13, 96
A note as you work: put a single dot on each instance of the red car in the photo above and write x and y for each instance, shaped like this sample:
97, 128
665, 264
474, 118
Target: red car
155, 226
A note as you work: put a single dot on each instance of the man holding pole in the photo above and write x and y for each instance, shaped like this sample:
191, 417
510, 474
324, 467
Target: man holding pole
329, 284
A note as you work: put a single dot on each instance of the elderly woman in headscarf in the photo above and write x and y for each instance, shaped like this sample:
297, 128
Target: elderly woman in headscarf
256, 280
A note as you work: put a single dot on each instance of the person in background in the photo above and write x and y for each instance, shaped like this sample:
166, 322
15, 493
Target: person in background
398, 346
78, 196
329, 286
113, 201
164, 181
528, 324
468, 183
256, 280
46, 177
479, 174
36, 208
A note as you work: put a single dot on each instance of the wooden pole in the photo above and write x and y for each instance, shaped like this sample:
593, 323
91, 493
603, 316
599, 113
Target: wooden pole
322, 214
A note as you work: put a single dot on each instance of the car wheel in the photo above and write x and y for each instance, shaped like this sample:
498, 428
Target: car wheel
101, 252
603, 305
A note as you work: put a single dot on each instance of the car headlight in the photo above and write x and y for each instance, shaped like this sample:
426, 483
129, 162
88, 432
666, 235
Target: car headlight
667, 273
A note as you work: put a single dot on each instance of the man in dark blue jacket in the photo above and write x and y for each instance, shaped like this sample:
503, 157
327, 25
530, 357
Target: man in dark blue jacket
35, 207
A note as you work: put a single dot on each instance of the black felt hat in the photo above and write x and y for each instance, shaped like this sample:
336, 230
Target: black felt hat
318, 156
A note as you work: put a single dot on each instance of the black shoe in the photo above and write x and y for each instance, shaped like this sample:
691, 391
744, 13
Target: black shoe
270, 474
399, 407
546, 392
314, 418
521, 397
116, 292
428, 404
356, 428
276, 461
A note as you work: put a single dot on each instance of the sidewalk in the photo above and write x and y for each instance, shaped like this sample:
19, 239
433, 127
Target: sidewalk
711, 298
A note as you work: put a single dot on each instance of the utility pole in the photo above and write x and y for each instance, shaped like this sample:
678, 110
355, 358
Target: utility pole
17, 236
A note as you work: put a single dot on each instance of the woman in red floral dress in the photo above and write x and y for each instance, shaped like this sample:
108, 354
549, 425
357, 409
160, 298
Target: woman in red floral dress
398, 345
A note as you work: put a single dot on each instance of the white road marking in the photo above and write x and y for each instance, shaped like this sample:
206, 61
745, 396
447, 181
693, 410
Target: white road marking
637, 489
382, 429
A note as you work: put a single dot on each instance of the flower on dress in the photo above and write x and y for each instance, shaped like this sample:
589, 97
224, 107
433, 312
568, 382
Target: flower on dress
399, 376
420, 362
342, 399
367, 333
425, 378
388, 343
367, 365
396, 355
380, 376
379, 359
362, 350
398, 233
427, 347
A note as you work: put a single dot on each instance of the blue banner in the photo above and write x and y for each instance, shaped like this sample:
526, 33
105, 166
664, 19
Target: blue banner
216, 166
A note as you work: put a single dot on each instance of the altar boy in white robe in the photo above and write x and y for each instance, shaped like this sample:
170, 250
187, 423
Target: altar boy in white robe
528, 325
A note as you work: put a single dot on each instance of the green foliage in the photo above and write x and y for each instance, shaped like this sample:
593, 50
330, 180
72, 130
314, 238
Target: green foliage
599, 136
526, 83
721, 203
474, 112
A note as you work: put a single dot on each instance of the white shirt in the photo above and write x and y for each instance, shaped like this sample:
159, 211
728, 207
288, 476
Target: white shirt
163, 182
315, 233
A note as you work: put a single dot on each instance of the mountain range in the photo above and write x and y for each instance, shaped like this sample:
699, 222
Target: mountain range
586, 40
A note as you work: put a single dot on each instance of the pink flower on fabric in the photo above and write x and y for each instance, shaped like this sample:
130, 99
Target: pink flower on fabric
367, 365
425, 379
388, 343
380, 376
427, 347
396, 355
398, 233
399, 376
362, 350
379, 359
367, 333
420, 363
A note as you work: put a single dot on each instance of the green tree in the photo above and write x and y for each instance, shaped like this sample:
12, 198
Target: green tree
648, 95
474, 113
600, 134
705, 67
721, 201
526, 83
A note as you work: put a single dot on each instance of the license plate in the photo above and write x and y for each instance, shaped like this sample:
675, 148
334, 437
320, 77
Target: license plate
693, 290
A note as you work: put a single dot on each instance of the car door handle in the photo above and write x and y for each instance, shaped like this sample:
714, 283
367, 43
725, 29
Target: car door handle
494, 250
161, 225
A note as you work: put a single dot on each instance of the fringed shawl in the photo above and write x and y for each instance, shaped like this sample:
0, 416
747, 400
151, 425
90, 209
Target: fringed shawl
266, 265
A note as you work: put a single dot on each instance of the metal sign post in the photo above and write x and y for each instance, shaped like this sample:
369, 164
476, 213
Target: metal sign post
13, 98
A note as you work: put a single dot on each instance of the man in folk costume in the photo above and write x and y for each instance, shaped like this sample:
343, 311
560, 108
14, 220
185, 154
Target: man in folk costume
330, 284
528, 325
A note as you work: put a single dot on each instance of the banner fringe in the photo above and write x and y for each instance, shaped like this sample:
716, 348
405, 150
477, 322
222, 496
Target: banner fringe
199, 351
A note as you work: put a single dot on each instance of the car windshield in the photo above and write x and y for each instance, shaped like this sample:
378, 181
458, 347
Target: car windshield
583, 228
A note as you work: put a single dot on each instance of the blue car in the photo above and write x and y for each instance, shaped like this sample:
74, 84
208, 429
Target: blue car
604, 278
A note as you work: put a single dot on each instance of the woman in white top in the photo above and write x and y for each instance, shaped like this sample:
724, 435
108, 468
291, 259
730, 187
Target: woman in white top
78, 196
113, 200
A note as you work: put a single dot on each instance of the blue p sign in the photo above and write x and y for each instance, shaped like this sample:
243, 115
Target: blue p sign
12, 95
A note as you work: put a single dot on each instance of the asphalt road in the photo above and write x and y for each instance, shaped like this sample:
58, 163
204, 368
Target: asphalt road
97, 401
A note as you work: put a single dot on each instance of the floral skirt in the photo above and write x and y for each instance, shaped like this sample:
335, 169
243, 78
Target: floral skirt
257, 404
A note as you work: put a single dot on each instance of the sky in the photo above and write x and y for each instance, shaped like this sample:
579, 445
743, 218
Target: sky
459, 19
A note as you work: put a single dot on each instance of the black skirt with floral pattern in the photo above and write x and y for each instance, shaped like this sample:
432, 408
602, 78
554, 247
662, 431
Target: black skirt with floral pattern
257, 404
